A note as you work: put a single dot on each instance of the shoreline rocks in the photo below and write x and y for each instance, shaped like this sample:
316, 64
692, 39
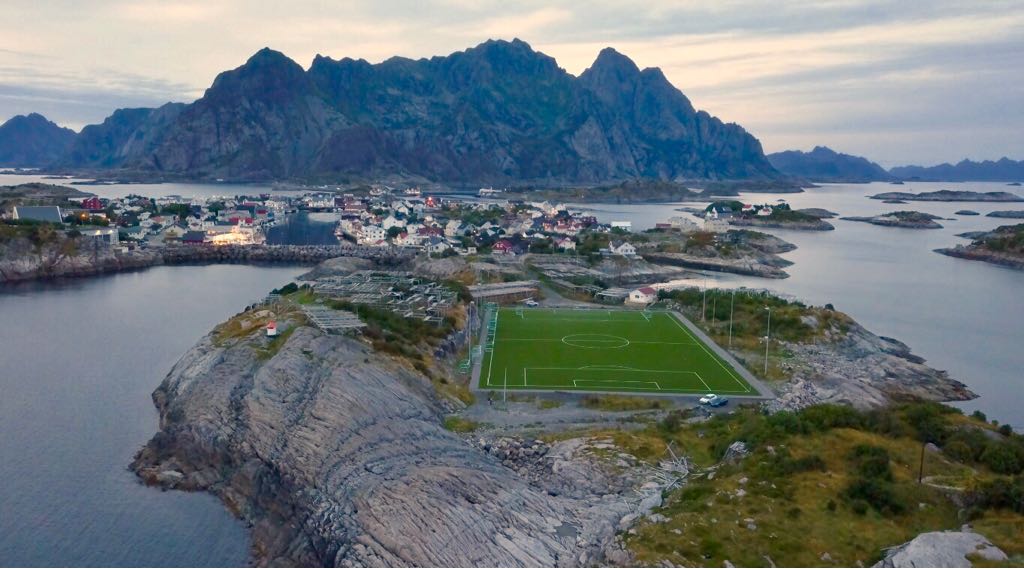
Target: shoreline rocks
53, 264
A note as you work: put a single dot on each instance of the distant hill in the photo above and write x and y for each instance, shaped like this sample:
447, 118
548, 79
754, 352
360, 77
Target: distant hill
496, 113
31, 141
826, 165
1002, 170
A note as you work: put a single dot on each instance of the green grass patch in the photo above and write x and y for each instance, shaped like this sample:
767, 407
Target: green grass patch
457, 424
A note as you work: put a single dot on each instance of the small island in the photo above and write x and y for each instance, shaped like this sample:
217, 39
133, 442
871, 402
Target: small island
1007, 214
950, 196
904, 219
967, 212
778, 216
1002, 246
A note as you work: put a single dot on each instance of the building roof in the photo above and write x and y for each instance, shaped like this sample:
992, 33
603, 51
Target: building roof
50, 213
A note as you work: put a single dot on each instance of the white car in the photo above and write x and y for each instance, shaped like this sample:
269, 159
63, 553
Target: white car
531, 302
707, 399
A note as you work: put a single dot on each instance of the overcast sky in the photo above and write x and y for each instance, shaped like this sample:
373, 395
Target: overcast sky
899, 82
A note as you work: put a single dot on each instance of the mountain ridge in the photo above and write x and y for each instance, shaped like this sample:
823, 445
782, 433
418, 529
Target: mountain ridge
499, 112
822, 164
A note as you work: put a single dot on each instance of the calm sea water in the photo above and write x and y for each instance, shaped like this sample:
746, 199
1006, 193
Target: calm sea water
966, 317
78, 361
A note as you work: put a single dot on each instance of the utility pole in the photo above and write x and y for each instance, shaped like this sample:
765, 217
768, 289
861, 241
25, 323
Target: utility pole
714, 309
767, 340
732, 306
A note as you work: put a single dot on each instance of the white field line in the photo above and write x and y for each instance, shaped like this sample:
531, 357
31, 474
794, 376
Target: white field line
703, 347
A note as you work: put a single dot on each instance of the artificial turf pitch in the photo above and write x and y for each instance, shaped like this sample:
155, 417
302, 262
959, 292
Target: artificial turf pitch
612, 350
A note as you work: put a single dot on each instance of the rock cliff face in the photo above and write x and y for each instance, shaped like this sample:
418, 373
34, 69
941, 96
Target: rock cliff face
31, 140
496, 113
337, 456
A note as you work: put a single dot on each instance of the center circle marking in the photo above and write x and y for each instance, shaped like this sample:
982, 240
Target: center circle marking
595, 341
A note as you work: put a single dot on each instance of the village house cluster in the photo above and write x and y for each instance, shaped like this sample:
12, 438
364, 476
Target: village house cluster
155, 222
456, 227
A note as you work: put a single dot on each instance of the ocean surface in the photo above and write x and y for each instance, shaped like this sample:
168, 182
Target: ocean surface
78, 361
965, 317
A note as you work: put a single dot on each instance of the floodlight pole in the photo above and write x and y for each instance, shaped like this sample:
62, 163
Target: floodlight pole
732, 306
714, 310
767, 339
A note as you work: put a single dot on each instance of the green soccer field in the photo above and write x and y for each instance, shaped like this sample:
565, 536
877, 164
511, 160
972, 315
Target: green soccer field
601, 350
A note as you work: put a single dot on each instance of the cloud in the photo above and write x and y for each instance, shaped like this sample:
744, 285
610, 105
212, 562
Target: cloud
885, 78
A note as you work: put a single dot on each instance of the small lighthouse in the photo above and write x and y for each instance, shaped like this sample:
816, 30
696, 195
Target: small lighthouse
271, 329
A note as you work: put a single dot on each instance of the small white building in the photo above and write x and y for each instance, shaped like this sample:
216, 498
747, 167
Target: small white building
566, 244
373, 233
765, 211
623, 248
642, 295
715, 224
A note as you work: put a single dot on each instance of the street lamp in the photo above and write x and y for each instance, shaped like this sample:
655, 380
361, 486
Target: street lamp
767, 339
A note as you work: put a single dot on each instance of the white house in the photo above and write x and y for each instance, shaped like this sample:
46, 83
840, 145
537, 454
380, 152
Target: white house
373, 233
622, 248
765, 211
437, 245
715, 224
566, 244
453, 228
643, 295
392, 221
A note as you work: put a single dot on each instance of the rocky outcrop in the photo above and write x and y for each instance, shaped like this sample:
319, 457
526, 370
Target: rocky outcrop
20, 261
1007, 214
1001, 246
751, 267
950, 196
496, 113
337, 456
32, 141
859, 368
942, 549
822, 164
903, 219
